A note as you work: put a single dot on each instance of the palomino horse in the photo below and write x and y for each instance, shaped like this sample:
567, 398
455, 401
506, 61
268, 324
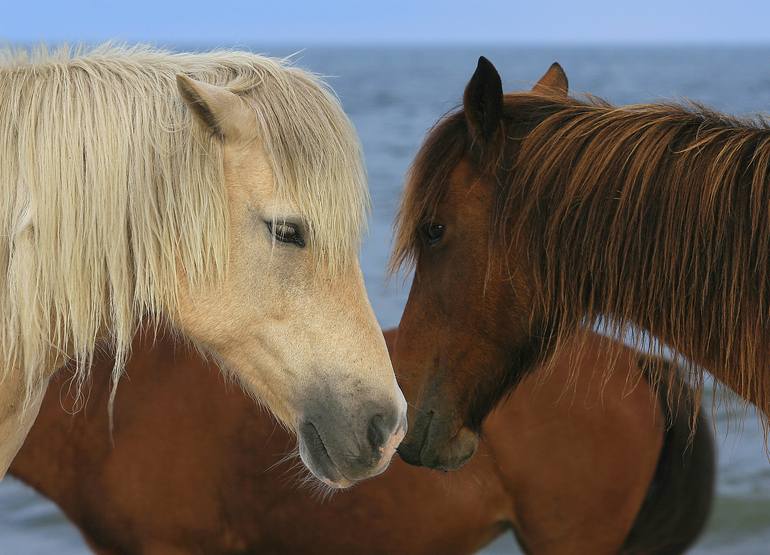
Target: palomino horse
195, 467
532, 217
223, 193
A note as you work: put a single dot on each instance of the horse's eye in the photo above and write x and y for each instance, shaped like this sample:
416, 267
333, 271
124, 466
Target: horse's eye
286, 232
432, 233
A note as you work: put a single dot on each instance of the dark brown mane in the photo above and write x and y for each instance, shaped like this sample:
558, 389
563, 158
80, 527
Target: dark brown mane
644, 214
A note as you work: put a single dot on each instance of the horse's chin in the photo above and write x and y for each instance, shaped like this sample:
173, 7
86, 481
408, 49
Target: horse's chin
316, 458
439, 445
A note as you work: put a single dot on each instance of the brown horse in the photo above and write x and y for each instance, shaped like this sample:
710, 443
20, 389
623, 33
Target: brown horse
191, 471
533, 217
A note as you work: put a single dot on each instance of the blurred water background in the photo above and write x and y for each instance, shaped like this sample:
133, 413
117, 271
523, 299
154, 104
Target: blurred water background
393, 95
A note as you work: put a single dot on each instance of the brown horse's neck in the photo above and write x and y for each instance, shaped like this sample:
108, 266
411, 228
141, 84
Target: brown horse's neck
655, 216
48, 460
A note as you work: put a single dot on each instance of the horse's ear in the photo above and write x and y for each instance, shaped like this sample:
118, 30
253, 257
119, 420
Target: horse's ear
219, 110
483, 100
554, 82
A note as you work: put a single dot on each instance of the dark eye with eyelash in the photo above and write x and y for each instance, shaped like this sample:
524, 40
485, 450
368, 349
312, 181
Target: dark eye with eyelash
286, 232
432, 233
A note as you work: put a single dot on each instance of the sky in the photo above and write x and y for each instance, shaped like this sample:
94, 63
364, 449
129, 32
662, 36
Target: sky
307, 22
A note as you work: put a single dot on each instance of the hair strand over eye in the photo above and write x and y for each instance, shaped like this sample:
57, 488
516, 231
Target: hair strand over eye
286, 232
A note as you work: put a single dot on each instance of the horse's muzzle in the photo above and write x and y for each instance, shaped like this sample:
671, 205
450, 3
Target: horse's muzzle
437, 443
338, 459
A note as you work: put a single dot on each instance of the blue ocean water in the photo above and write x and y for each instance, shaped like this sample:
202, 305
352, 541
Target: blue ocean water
393, 95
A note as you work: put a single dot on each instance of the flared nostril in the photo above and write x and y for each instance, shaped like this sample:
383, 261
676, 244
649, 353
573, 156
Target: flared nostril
377, 432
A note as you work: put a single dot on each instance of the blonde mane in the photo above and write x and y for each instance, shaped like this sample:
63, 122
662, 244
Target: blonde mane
111, 194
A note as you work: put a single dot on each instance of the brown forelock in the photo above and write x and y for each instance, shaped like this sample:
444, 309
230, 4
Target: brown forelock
446, 144
426, 183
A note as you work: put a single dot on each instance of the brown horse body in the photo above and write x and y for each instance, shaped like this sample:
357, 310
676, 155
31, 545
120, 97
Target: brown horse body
191, 471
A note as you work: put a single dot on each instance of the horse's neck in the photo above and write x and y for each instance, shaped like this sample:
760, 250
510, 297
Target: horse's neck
680, 247
20, 404
16, 417
48, 459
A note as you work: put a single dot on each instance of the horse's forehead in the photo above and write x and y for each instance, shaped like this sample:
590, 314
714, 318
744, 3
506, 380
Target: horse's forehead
248, 172
468, 194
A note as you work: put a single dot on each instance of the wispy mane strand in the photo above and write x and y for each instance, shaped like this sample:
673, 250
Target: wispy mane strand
656, 216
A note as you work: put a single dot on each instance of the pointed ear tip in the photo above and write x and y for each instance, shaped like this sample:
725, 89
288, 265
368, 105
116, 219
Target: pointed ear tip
184, 83
486, 71
557, 67
485, 63
188, 82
